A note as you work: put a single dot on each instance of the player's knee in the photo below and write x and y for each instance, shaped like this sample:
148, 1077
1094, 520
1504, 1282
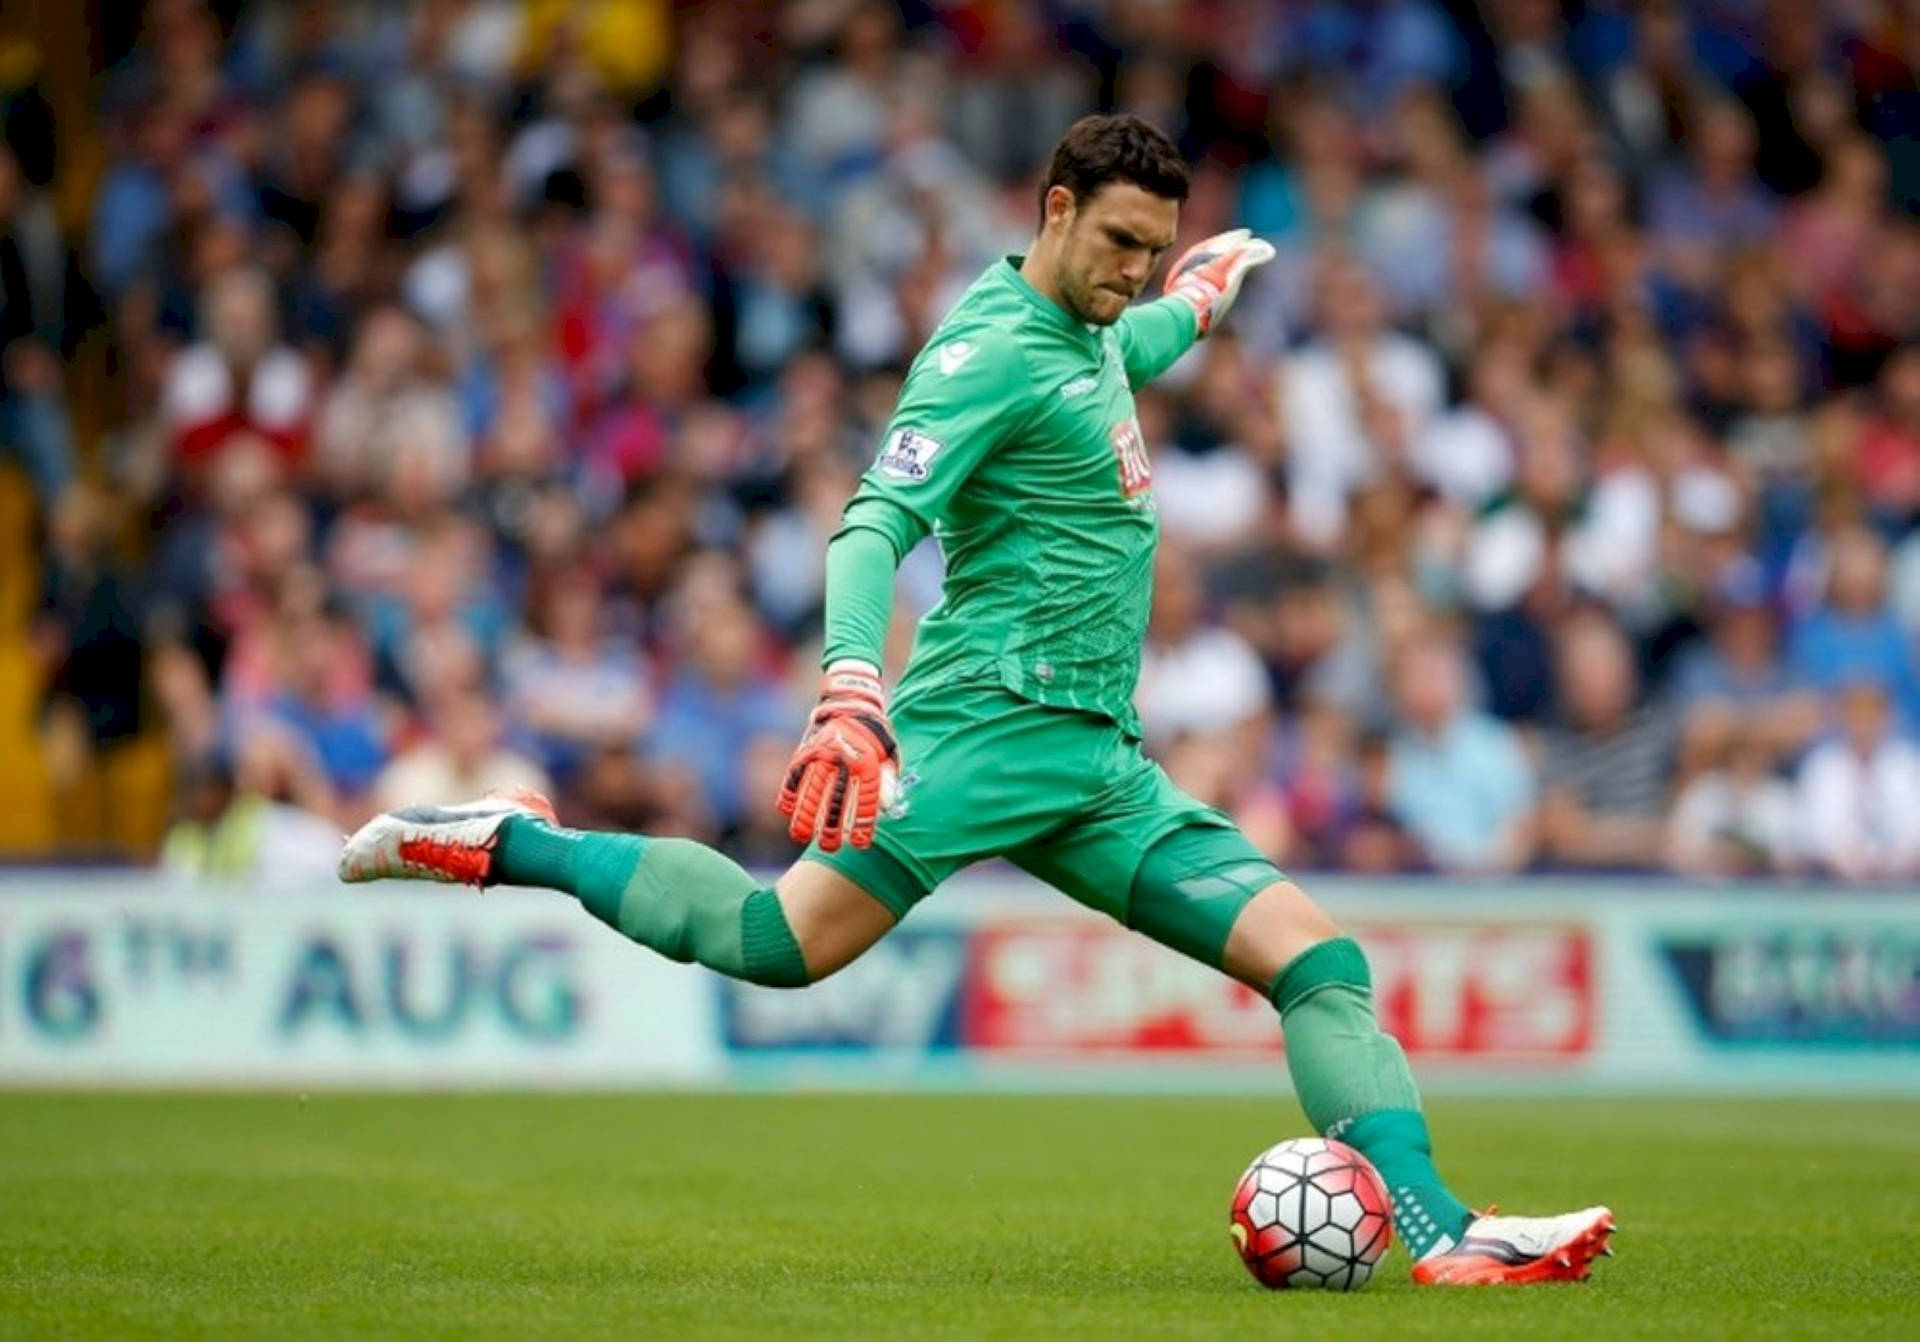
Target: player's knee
1277, 927
829, 919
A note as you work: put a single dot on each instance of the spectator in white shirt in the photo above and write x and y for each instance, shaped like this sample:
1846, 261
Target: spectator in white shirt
1859, 793
463, 759
1736, 818
1355, 400
1194, 677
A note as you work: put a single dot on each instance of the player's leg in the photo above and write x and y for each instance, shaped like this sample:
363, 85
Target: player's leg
691, 903
680, 898
1180, 873
1351, 1077
694, 904
1203, 890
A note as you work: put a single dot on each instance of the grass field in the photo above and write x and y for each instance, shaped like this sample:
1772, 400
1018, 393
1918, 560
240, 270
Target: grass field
684, 1216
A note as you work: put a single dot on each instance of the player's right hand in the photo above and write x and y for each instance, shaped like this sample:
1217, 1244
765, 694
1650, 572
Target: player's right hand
847, 765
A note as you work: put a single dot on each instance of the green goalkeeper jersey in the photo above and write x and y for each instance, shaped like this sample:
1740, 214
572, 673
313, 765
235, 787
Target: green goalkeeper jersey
1015, 443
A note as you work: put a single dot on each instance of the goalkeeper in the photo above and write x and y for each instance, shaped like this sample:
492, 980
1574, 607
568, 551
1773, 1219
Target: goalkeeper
1012, 731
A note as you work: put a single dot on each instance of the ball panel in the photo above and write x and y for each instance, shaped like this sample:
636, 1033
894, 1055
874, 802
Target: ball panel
1344, 1210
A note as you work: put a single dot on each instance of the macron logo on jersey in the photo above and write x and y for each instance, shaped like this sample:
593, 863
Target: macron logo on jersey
954, 356
908, 455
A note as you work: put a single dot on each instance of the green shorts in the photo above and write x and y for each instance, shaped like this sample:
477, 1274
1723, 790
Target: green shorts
1065, 795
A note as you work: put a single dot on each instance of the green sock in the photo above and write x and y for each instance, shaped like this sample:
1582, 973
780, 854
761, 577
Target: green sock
678, 897
1355, 1085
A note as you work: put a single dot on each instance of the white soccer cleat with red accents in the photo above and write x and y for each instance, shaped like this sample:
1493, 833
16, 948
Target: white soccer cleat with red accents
437, 843
1516, 1250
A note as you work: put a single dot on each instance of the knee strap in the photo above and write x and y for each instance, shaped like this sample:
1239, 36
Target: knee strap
1191, 887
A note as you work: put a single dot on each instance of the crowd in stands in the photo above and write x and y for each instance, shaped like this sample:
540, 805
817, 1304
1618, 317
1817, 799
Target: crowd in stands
483, 379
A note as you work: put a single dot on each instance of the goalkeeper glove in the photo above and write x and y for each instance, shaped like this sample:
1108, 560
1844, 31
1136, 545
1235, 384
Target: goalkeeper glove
1207, 277
846, 767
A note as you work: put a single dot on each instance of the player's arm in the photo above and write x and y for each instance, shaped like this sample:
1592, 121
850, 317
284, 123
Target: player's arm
1200, 288
1152, 336
963, 397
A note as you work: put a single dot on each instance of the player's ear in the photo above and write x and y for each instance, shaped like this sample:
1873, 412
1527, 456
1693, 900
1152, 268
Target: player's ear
1060, 207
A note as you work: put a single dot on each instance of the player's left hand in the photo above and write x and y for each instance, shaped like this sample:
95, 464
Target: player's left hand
1209, 274
845, 770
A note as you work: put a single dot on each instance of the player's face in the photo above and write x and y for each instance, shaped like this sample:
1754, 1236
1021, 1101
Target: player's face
1113, 240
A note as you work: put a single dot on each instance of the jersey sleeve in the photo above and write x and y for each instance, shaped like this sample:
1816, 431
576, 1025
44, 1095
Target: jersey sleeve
861, 562
964, 396
1152, 336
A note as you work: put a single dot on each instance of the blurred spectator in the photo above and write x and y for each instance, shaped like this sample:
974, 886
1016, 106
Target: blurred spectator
1440, 234
1736, 687
1458, 779
1212, 465
1829, 232
1468, 454
1222, 770
90, 629
1852, 635
1859, 792
238, 376
719, 700
35, 428
1309, 634
1356, 400
383, 407
569, 686
1318, 768
1194, 677
462, 759
234, 836
1606, 761
43, 292
1715, 201
321, 696
759, 837
1374, 838
1736, 818
786, 548
1889, 452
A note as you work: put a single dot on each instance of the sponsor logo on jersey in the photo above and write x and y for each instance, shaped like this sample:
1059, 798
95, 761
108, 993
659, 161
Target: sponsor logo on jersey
954, 355
908, 454
1080, 386
1130, 455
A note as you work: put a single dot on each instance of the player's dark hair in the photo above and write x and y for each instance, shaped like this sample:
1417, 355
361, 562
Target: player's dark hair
1097, 150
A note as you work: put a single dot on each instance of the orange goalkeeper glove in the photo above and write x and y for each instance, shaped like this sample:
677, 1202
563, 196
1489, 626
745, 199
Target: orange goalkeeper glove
1208, 275
847, 765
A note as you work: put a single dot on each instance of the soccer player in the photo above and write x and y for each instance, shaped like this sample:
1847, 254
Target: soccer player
1014, 441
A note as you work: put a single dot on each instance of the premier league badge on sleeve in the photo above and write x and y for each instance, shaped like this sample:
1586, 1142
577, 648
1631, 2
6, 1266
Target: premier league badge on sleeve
908, 455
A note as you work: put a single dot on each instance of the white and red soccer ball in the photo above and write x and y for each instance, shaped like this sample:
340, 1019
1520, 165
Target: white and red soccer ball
1311, 1212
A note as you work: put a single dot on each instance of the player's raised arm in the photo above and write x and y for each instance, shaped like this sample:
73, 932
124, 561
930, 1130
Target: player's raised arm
964, 395
1200, 288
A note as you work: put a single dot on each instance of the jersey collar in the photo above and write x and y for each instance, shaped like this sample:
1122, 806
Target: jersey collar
1051, 312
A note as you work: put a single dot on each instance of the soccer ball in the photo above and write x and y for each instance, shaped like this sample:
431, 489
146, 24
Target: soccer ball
1311, 1212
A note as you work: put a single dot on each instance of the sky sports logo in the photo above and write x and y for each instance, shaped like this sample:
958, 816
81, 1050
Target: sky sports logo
1049, 988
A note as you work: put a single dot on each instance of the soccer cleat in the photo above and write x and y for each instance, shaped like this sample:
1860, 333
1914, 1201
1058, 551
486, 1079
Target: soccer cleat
1516, 1250
438, 843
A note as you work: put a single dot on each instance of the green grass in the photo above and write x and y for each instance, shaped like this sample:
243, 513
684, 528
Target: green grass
819, 1215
